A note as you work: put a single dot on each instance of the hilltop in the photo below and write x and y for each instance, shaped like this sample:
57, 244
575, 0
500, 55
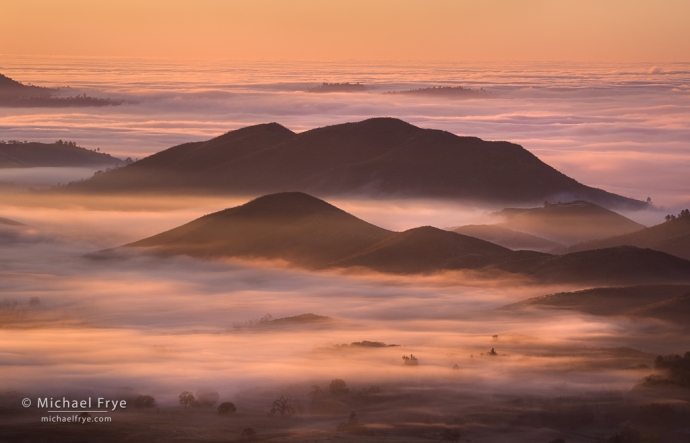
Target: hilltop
568, 223
672, 237
301, 230
375, 157
33, 154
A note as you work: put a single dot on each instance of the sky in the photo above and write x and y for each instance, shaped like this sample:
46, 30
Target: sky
439, 30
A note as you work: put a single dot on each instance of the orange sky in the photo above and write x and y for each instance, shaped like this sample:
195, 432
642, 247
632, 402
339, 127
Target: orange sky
442, 30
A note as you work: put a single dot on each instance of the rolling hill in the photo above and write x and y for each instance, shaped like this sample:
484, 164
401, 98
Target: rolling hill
668, 302
672, 237
507, 237
568, 223
304, 231
27, 155
377, 157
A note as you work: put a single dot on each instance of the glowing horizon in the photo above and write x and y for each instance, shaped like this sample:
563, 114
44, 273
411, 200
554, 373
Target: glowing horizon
624, 31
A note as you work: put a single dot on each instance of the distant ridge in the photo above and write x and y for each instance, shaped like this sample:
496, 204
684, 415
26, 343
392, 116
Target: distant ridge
569, 222
672, 237
508, 238
375, 157
27, 155
667, 302
14, 94
302, 230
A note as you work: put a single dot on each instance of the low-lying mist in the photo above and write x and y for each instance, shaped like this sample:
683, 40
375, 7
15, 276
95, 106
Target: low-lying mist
78, 323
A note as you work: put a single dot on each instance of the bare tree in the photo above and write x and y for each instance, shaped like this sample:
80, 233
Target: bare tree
283, 406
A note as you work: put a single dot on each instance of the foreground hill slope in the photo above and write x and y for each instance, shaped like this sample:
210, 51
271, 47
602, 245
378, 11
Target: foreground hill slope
568, 223
26, 155
672, 237
302, 230
380, 156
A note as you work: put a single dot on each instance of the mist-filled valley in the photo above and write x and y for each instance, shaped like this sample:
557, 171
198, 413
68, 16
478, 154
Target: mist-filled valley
297, 252
79, 323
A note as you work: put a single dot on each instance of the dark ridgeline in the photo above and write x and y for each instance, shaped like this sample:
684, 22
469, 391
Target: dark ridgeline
445, 92
665, 302
305, 231
18, 95
672, 237
338, 87
25, 155
507, 237
375, 157
568, 223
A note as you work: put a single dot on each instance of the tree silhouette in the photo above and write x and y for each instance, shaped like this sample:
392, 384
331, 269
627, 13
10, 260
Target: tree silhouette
227, 408
284, 407
338, 387
187, 398
411, 360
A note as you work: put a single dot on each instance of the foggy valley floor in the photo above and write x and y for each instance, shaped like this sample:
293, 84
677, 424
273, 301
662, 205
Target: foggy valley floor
76, 326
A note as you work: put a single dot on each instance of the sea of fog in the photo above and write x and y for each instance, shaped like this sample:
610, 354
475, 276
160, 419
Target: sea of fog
621, 127
161, 326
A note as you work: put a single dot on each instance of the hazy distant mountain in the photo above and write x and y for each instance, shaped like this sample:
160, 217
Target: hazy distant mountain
338, 87
380, 156
445, 92
507, 237
669, 302
300, 229
15, 94
26, 155
567, 223
672, 237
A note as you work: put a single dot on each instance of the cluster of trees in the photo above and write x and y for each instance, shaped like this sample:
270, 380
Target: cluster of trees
13, 142
676, 367
684, 213
202, 399
410, 361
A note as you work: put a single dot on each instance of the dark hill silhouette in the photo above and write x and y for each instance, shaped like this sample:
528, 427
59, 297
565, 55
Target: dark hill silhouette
620, 265
25, 155
672, 237
567, 223
305, 231
10, 222
379, 156
507, 237
16, 94
12, 89
290, 226
669, 302
676, 309
427, 249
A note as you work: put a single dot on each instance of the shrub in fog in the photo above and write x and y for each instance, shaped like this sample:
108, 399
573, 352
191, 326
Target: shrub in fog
227, 408
144, 401
410, 361
338, 387
206, 398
